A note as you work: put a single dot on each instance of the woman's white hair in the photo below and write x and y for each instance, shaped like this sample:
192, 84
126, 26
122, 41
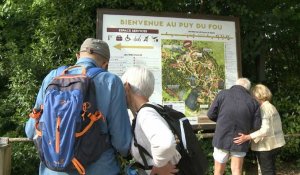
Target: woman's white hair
140, 79
244, 82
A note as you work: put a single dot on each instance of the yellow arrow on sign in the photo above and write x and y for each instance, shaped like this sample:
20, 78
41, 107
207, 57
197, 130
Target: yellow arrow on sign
119, 46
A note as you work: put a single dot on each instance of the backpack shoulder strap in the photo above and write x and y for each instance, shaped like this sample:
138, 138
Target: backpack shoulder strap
93, 71
159, 108
60, 69
141, 149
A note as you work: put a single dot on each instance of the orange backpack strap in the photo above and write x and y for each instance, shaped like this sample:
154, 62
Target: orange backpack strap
36, 113
37, 130
93, 117
78, 166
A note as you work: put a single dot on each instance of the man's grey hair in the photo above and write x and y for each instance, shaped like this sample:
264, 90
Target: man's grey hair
140, 79
244, 82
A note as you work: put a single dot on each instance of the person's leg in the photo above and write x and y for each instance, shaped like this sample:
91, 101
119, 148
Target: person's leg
258, 168
267, 160
237, 160
219, 168
221, 157
237, 165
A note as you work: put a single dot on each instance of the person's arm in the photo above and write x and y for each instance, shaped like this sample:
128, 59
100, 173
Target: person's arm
161, 138
257, 135
265, 126
214, 109
29, 128
30, 124
119, 125
168, 169
241, 138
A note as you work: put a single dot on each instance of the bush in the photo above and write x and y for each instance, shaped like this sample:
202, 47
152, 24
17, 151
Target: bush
25, 159
37, 36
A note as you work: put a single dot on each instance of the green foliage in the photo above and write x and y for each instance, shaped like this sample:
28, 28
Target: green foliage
206, 145
38, 35
24, 159
290, 112
23, 88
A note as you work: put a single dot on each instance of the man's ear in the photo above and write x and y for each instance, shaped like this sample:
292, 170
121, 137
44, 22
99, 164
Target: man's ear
78, 55
126, 85
104, 65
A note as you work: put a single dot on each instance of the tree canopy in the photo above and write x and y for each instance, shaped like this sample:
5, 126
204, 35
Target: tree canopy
39, 35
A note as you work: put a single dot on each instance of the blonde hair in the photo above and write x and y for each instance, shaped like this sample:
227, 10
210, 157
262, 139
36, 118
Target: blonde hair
261, 92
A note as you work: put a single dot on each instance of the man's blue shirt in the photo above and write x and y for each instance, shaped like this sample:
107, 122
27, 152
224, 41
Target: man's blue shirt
112, 103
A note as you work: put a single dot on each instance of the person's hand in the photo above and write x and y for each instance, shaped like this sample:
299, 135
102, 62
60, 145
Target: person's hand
168, 169
241, 138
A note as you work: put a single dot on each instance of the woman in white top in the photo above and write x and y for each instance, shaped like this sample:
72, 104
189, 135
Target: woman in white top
151, 130
269, 138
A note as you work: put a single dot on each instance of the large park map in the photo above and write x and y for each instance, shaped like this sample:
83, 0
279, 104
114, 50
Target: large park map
191, 59
192, 72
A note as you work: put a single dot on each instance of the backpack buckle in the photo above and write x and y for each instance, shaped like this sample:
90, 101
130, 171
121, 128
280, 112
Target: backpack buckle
96, 116
36, 113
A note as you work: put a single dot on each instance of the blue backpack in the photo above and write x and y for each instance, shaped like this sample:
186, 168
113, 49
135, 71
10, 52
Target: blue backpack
68, 124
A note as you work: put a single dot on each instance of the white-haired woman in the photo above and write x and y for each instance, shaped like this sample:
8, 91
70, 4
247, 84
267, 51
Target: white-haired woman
150, 130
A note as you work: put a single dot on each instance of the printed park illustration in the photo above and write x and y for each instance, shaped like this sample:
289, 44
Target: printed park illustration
192, 72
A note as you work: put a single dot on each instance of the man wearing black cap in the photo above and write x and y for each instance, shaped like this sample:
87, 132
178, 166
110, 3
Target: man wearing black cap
111, 102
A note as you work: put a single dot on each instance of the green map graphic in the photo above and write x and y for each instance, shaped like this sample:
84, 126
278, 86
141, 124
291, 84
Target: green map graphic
193, 72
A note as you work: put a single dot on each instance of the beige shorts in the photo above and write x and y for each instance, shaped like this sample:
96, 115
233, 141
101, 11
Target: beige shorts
222, 156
